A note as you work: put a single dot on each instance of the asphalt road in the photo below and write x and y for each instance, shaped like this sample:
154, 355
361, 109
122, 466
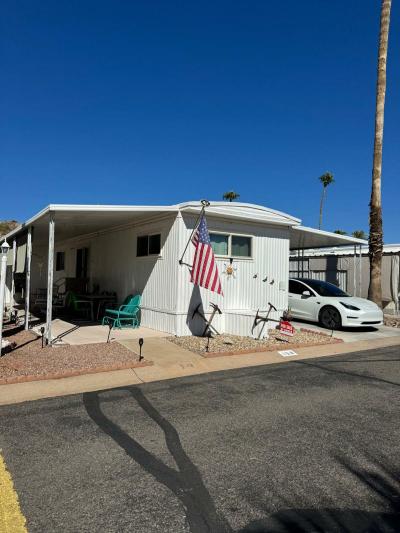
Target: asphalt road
301, 446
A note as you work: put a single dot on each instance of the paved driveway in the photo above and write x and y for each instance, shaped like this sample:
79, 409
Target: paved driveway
309, 445
352, 334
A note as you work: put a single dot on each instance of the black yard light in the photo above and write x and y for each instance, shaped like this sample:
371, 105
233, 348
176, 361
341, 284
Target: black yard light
42, 332
141, 341
110, 326
208, 341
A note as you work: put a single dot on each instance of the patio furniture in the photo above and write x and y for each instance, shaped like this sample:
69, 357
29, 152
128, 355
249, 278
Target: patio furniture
126, 315
79, 305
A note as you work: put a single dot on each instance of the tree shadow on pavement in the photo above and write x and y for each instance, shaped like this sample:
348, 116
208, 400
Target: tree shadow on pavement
383, 485
186, 482
322, 365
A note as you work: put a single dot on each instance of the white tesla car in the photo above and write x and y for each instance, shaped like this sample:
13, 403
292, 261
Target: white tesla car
323, 302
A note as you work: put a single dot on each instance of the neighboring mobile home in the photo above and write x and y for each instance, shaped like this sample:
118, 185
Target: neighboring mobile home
136, 249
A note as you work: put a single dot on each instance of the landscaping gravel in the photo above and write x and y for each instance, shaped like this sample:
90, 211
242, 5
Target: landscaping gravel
28, 359
236, 343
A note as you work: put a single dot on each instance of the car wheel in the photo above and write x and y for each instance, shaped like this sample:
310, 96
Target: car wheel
329, 317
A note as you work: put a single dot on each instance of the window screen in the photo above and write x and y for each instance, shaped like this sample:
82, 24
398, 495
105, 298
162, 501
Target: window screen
142, 246
148, 245
154, 244
241, 246
219, 243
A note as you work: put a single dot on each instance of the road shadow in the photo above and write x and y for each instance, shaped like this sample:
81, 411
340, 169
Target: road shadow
382, 483
322, 366
186, 482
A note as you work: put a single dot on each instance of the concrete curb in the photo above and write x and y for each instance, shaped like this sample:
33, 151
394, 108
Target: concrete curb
72, 373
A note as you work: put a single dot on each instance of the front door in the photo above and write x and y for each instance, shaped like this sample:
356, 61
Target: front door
82, 256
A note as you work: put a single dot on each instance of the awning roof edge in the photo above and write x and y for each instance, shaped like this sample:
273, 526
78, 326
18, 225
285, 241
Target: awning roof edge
303, 238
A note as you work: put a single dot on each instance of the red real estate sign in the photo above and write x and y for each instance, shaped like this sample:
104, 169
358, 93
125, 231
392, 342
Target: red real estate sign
286, 328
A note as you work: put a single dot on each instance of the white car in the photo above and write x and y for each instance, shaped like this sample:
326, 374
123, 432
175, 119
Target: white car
323, 302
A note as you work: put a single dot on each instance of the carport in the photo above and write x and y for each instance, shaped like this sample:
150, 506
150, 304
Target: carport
303, 238
67, 222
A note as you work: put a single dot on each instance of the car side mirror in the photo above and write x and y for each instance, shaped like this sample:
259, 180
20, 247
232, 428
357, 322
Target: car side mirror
307, 294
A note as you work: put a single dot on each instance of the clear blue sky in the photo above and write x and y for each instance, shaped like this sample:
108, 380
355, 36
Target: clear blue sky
159, 102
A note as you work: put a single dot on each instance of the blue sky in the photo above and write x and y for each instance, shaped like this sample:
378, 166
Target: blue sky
160, 102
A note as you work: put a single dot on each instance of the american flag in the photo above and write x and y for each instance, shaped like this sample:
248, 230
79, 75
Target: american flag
204, 269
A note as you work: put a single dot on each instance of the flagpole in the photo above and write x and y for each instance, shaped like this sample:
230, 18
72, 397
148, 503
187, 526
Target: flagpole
204, 203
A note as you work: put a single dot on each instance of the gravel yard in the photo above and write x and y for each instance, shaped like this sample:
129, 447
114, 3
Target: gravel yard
234, 344
28, 361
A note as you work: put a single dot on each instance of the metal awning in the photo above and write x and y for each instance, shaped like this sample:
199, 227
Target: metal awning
302, 238
76, 220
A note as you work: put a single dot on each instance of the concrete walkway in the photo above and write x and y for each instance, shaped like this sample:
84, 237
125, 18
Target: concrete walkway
84, 333
352, 334
171, 361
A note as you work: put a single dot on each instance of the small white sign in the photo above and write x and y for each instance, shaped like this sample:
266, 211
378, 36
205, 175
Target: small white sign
287, 353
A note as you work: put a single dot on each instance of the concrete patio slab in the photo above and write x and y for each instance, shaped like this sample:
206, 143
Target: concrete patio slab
85, 333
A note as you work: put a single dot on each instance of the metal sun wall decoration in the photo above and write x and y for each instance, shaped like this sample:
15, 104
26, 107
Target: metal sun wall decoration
229, 269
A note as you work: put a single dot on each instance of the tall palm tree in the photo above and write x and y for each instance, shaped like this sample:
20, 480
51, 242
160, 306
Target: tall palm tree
326, 179
231, 195
375, 205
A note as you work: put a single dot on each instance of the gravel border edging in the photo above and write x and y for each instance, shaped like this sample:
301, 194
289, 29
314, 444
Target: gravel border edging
333, 340
74, 373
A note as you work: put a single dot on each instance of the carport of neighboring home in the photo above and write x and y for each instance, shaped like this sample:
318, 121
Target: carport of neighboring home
135, 249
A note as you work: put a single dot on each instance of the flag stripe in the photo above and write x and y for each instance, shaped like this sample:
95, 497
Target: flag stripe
204, 270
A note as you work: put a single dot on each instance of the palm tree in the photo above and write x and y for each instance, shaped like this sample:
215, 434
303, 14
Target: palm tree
375, 205
340, 232
359, 234
326, 179
231, 195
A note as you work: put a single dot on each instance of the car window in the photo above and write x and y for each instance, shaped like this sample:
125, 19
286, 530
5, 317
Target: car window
295, 287
323, 288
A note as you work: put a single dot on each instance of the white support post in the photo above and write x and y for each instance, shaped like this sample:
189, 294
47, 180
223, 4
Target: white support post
14, 261
360, 274
50, 261
354, 271
28, 276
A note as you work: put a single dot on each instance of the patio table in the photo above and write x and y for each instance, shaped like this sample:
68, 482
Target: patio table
97, 299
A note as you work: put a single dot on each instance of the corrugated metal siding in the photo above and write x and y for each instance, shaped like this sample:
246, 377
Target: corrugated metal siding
168, 296
246, 292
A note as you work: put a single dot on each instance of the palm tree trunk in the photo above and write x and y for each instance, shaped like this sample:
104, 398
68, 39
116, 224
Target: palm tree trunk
375, 214
321, 206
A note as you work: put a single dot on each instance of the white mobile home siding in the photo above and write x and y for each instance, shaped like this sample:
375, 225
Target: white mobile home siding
244, 293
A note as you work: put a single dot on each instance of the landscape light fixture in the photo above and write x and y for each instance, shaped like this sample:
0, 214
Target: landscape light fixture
4, 249
42, 332
141, 341
110, 326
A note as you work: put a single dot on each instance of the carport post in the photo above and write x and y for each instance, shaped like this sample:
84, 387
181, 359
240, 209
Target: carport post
50, 261
354, 271
28, 276
360, 274
14, 259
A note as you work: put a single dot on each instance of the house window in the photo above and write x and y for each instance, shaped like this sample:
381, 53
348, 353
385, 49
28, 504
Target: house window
229, 245
60, 261
148, 245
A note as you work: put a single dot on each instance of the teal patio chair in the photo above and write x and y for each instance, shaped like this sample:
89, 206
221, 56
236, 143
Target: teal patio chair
126, 315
